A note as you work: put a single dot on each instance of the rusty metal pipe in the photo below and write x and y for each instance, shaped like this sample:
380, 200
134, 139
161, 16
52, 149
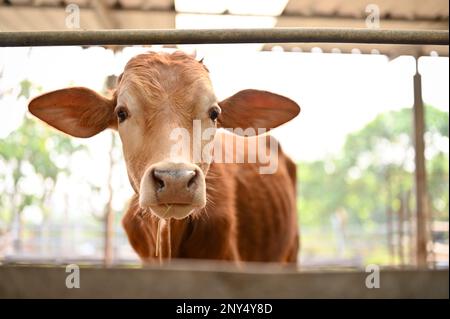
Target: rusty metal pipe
204, 36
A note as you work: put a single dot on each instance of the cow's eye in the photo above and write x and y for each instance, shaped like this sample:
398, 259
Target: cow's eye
214, 113
122, 114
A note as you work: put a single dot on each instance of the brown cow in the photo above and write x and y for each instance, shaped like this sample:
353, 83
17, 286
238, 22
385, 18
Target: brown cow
213, 210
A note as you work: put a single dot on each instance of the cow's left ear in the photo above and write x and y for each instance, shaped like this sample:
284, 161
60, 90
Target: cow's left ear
256, 109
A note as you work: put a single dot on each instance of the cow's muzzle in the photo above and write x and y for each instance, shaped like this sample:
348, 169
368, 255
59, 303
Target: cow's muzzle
172, 189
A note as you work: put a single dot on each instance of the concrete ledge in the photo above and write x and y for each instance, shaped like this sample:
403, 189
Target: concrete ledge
210, 280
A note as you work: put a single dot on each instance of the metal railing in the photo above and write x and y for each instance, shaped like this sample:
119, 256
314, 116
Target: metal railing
215, 36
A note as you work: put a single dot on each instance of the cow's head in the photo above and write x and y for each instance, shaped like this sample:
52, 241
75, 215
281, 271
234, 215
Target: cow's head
157, 94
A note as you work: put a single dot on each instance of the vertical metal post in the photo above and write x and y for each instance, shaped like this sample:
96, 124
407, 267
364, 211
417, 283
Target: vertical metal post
421, 188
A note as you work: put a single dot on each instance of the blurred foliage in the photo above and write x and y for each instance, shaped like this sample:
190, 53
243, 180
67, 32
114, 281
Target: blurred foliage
374, 170
31, 145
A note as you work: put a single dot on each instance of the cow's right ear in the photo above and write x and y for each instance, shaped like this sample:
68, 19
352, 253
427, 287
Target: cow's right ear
77, 111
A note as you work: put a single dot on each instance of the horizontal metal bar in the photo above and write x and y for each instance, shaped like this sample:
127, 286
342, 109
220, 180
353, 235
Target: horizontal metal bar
204, 36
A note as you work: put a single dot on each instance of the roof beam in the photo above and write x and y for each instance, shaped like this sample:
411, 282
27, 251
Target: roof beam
104, 16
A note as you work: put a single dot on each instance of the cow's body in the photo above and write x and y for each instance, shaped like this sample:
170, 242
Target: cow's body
249, 216
237, 210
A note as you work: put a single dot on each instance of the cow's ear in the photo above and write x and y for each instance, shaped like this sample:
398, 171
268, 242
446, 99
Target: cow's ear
77, 111
256, 109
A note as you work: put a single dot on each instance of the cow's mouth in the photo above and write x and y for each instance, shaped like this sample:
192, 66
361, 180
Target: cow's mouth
176, 211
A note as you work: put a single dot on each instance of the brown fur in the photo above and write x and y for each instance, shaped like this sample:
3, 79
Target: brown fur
248, 217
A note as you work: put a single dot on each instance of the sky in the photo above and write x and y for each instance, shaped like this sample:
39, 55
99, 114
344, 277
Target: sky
337, 93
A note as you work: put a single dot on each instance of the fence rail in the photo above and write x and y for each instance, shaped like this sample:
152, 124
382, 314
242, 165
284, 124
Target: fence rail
216, 36
251, 281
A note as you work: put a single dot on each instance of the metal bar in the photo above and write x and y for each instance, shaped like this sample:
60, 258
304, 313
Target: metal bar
173, 36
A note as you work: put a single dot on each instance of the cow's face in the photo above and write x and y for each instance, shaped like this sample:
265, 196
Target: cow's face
160, 97
160, 100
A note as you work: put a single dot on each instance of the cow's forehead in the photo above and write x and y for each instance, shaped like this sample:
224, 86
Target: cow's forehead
154, 76
175, 67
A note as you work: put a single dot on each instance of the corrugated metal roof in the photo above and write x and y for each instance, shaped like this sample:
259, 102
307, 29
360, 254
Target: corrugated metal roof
389, 9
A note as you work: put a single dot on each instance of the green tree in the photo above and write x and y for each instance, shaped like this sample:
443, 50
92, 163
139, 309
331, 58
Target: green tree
30, 150
375, 169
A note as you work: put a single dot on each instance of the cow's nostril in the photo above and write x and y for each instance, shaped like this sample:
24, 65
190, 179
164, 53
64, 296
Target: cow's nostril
159, 183
192, 179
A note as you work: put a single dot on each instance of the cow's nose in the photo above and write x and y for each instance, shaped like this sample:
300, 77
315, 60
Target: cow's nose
174, 186
177, 178
172, 189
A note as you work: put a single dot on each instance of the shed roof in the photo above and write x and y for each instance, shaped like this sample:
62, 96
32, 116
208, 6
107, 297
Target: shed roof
20, 15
